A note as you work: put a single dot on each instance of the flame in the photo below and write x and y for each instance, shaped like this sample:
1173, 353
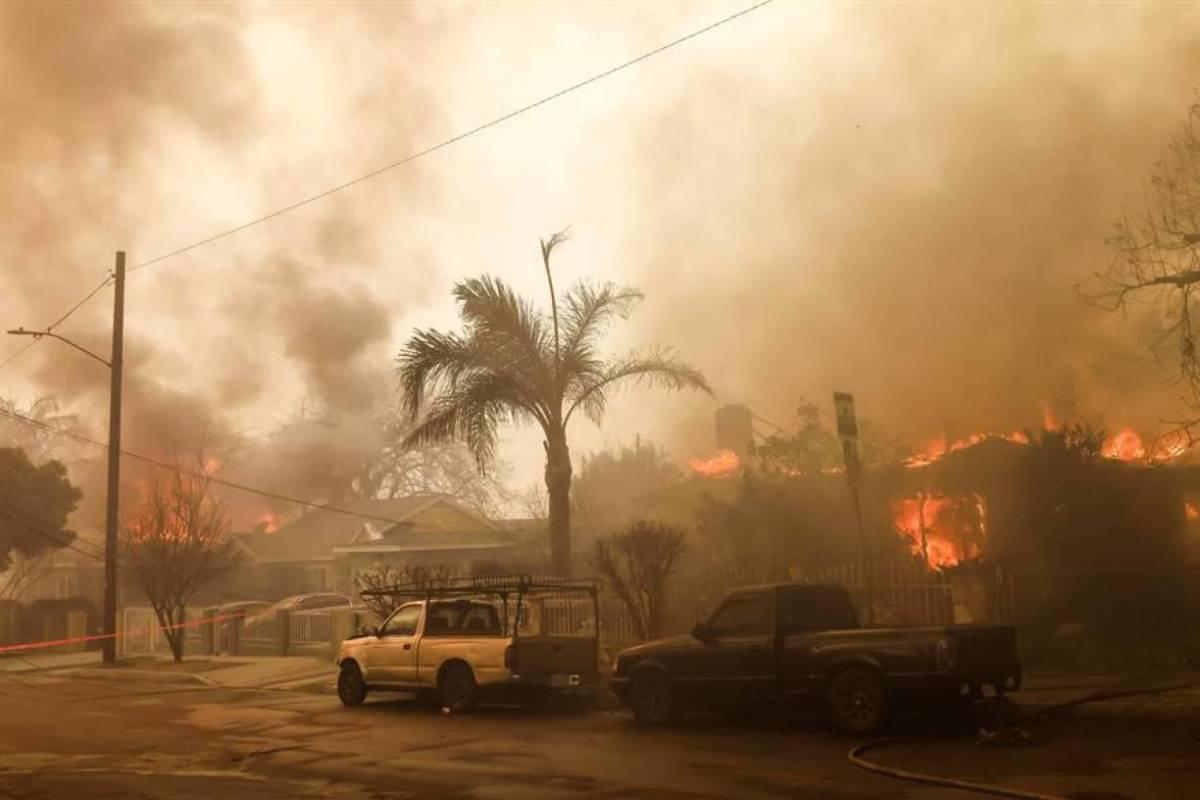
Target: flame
949, 537
1190, 510
723, 465
1126, 445
1170, 447
1049, 420
211, 465
268, 522
939, 446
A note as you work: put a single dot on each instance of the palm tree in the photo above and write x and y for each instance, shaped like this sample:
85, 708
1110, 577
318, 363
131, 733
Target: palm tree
514, 363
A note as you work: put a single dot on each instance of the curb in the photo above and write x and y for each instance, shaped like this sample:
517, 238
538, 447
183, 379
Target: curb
154, 676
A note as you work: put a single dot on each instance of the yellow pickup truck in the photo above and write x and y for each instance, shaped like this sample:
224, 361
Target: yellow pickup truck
510, 638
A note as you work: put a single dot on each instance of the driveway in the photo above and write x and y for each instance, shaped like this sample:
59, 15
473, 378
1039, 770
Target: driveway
69, 735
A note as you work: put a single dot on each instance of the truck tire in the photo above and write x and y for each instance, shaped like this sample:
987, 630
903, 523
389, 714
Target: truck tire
456, 687
650, 697
351, 688
858, 702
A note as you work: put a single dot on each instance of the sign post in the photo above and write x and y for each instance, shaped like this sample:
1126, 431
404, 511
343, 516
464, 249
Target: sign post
847, 428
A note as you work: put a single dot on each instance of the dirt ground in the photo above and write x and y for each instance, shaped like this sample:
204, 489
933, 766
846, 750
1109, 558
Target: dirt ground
66, 735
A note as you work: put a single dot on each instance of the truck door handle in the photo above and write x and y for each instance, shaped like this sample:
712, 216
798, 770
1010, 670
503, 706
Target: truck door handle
408, 645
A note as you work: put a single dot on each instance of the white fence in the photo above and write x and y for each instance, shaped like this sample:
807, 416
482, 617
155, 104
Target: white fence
310, 627
141, 634
260, 629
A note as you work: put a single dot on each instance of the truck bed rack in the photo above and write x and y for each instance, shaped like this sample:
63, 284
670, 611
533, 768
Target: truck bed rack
491, 584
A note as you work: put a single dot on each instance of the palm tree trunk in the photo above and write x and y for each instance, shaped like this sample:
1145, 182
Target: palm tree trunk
558, 487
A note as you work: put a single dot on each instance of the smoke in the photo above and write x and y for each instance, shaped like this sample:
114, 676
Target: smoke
902, 205
891, 200
130, 115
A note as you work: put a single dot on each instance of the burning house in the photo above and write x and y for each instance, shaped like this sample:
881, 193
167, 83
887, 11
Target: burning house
1093, 531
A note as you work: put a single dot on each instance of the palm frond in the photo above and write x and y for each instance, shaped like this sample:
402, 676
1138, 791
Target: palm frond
432, 360
473, 411
506, 326
548, 245
659, 368
587, 311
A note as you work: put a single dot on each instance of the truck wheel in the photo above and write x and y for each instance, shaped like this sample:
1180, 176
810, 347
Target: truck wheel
858, 701
650, 697
456, 687
351, 687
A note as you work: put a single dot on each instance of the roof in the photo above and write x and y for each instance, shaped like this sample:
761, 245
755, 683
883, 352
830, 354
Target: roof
314, 536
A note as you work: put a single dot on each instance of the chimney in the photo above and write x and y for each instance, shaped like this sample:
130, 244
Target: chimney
735, 430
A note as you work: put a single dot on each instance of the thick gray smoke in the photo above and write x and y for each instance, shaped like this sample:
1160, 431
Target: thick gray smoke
98, 100
895, 200
903, 207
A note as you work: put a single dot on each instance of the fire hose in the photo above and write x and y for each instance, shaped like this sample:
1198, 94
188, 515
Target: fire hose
855, 754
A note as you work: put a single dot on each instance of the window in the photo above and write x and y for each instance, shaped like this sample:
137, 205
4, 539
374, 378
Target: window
318, 579
403, 622
463, 619
815, 609
743, 615
63, 586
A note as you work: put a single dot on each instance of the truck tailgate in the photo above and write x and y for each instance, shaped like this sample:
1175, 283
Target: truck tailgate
534, 655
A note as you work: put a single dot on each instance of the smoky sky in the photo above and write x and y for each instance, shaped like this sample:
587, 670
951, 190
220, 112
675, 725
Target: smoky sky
895, 200
903, 211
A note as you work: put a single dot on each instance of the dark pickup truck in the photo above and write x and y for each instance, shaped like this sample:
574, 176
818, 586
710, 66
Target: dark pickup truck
769, 642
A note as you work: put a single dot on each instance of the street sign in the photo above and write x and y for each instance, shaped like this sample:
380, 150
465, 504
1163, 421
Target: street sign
847, 422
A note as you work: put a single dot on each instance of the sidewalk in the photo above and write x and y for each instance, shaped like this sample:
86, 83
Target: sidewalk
42, 662
249, 672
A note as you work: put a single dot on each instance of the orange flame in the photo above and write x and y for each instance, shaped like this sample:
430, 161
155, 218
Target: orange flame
939, 446
268, 522
723, 465
1190, 510
949, 537
1170, 447
1126, 445
1049, 420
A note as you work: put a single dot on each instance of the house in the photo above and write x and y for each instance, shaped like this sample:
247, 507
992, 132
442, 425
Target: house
325, 549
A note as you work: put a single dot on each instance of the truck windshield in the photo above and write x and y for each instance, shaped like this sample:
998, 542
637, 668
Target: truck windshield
462, 618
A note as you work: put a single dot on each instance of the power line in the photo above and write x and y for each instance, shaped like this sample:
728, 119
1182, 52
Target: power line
200, 475
63, 318
17, 353
414, 156
454, 139
53, 539
107, 280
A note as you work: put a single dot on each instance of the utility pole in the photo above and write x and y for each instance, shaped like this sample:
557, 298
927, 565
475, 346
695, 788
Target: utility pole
114, 449
112, 521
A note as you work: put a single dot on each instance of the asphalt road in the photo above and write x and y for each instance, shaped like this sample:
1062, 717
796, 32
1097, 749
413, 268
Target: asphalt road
87, 737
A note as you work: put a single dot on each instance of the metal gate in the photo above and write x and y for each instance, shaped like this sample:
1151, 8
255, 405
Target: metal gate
140, 634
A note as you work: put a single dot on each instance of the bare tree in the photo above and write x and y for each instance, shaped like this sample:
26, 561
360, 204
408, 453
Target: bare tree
385, 576
24, 573
1156, 254
176, 543
39, 441
637, 562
